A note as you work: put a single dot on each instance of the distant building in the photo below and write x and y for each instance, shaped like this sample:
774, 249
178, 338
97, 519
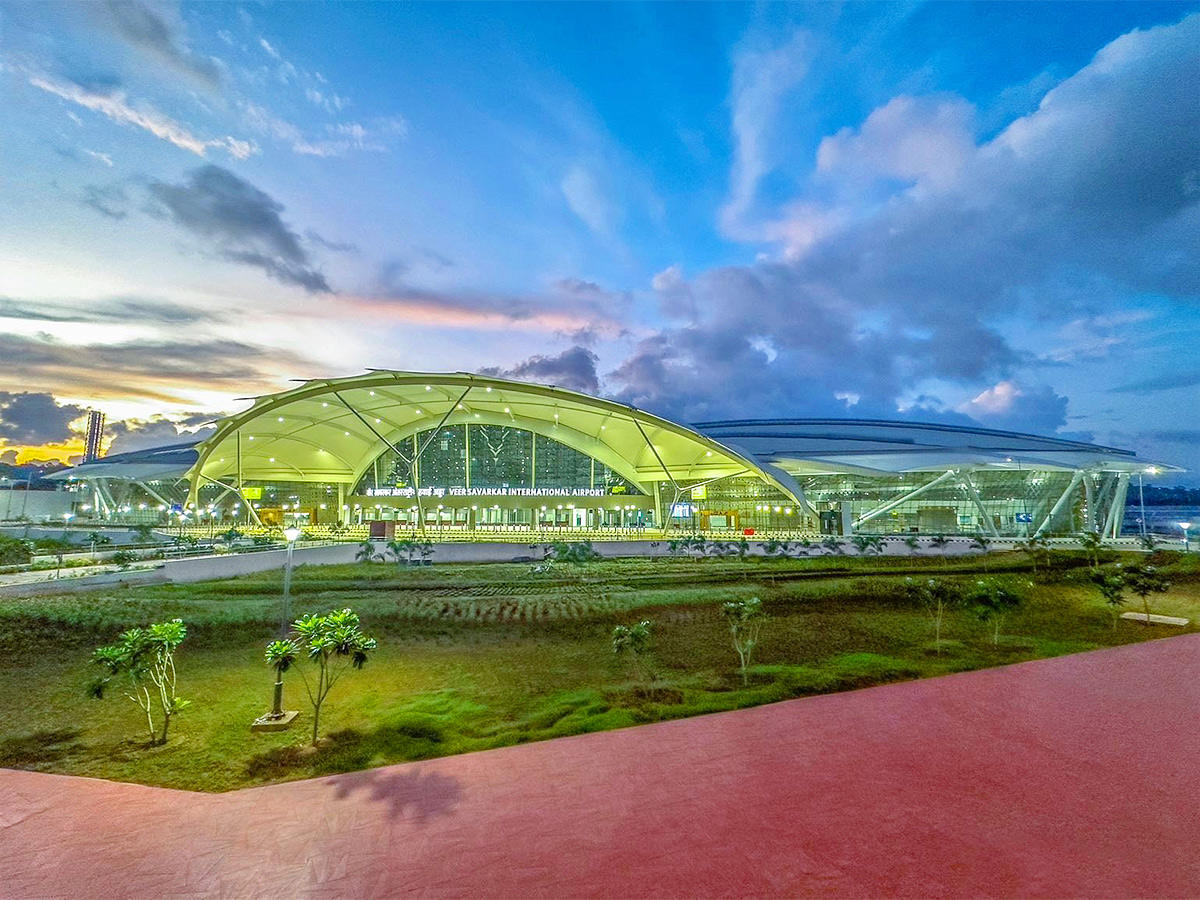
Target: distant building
95, 434
459, 455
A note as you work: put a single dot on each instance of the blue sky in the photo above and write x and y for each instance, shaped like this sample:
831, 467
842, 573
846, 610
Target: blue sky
941, 211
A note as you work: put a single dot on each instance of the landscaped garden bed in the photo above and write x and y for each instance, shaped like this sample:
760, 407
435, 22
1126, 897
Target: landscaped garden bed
474, 657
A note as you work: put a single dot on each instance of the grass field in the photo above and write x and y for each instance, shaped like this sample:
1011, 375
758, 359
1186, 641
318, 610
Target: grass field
473, 657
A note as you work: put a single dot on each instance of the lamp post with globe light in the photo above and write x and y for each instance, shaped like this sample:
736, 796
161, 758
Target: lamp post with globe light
1185, 526
281, 653
290, 535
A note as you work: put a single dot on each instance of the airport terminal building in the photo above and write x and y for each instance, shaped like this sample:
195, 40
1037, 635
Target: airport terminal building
459, 456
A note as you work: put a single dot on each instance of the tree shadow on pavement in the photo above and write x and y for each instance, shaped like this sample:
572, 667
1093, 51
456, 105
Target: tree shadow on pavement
411, 794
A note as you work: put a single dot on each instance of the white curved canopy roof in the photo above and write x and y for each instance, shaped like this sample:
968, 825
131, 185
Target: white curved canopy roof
332, 429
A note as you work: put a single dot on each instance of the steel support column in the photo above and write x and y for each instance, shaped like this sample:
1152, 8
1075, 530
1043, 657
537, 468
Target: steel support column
1116, 512
1058, 505
911, 495
984, 516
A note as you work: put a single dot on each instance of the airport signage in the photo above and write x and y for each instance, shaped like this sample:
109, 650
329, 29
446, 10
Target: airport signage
439, 492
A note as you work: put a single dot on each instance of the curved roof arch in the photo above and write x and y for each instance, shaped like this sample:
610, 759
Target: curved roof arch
332, 429
873, 447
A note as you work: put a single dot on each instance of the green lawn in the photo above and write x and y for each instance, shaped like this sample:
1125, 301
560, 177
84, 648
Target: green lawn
473, 657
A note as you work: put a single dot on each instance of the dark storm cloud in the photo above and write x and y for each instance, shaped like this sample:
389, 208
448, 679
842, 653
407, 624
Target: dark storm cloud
574, 369
142, 27
243, 223
925, 245
147, 369
34, 418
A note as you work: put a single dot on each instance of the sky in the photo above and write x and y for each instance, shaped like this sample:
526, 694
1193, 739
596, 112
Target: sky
952, 212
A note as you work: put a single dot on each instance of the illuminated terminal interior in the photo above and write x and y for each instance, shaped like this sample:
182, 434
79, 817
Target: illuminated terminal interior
461, 456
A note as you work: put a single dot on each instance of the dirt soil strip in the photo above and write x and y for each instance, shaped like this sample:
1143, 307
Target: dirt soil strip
1071, 777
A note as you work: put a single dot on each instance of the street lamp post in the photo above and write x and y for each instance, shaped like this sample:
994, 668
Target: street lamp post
1185, 526
290, 534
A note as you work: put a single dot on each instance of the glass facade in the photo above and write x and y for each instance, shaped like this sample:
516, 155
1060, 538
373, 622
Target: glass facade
478, 458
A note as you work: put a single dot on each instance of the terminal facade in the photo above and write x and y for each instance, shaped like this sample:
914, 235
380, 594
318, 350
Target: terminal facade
461, 455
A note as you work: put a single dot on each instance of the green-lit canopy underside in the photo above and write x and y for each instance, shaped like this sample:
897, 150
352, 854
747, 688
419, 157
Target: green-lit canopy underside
331, 430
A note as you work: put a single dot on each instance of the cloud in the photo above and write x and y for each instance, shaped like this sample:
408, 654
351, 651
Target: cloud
128, 435
763, 74
377, 135
120, 310
573, 369
927, 140
169, 371
1168, 381
313, 238
145, 29
243, 224
113, 104
99, 157
35, 418
108, 200
586, 199
1009, 406
917, 255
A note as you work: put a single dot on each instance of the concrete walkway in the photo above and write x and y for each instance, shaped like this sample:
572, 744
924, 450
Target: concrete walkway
1073, 777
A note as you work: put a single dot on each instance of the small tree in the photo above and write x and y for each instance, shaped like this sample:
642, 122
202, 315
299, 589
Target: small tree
633, 640
776, 549
833, 545
1092, 543
937, 597
745, 619
123, 559
1144, 581
1149, 542
1037, 548
335, 644
96, 539
14, 551
982, 544
1112, 589
146, 659
281, 655
143, 532
913, 544
991, 603
578, 553
230, 535
367, 552
940, 542
862, 543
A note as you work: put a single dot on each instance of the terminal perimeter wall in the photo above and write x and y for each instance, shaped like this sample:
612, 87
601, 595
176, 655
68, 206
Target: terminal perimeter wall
212, 568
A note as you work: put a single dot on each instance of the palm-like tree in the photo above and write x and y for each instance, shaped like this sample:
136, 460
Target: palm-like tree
367, 553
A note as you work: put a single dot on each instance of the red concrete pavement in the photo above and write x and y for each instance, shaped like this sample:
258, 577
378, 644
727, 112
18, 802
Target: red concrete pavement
1073, 777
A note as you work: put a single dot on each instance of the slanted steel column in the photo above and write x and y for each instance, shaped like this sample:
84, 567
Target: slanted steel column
911, 495
666, 471
1116, 512
983, 513
1089, 499
1058, 505
421, 451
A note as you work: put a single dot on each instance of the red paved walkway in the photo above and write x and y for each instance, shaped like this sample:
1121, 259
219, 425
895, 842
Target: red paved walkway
1064, 778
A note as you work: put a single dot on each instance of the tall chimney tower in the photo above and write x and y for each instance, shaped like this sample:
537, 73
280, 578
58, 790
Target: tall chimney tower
95, 434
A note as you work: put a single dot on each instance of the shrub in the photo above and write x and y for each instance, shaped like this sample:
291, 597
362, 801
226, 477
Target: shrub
14, 551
